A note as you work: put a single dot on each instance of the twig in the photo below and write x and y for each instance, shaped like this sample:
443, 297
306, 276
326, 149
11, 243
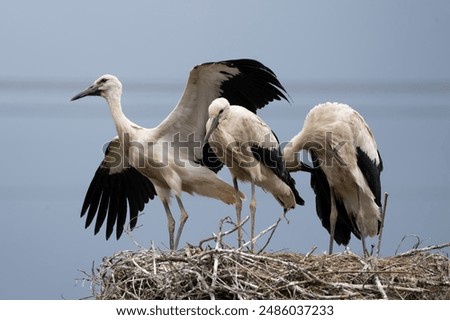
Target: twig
216, 261
403, 239
93, 282
129, 232
259, 235
311, 251
380, 287
429, 248
140, 268
154, 260
368, 265
214, 237
271, 234
383, 216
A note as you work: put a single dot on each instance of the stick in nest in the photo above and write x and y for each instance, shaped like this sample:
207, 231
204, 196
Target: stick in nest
383, 216
219, 273
429, 248
223, 234
218, 238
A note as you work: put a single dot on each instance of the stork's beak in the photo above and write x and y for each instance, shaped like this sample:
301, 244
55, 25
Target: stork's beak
91, 91
303, 167
213, 126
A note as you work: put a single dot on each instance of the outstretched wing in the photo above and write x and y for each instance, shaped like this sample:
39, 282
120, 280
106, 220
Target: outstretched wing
115, 188
253, 86
243, 82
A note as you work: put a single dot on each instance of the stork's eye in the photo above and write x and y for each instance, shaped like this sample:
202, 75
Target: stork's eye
103, 80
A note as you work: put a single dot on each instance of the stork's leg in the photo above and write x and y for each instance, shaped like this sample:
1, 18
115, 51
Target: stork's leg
183, 217
362, 228
238, 211
363, 241
333, 218
170, 223
252, 216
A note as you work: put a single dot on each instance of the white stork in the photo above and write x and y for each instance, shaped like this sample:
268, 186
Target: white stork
138, 165
346, 171
250, 149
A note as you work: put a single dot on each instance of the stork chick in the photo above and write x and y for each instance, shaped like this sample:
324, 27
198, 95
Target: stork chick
251, 151
346, 171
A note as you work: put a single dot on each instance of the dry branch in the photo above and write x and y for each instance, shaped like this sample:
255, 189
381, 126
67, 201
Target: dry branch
195, 273
222, 272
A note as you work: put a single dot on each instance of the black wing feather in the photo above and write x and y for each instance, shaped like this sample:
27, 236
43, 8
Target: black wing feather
371, 172
253, 87
109, 193
113, 207
122, 207
273, 159
344, 226
93, 195
210, 159
104, 203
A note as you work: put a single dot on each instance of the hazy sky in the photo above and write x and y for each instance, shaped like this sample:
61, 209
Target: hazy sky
388, 59
161, 39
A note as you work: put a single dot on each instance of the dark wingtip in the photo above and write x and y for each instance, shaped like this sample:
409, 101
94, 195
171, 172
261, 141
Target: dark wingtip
109, 195
291, 183
210, 159
254, 86
273, 159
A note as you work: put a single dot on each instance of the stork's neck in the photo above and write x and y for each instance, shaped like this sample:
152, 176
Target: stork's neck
123, 124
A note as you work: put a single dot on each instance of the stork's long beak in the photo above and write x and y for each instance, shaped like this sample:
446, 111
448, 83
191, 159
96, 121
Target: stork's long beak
91, 91
213, 126
303, 167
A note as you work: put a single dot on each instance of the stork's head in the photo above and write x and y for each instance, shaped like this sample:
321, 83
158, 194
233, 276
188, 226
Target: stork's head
106, 86
218, 107
217, 110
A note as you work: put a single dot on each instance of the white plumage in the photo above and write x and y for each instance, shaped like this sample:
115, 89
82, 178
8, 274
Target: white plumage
346, 171
249, 148
141, 163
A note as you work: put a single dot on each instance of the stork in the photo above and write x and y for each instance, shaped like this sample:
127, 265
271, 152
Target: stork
129, 174
251, 151
346, 171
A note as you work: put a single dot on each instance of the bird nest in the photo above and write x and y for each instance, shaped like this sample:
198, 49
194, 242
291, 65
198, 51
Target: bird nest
220, 273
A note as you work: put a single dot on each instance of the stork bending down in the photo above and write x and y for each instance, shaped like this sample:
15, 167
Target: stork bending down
129, 175
346, 171
251, 151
